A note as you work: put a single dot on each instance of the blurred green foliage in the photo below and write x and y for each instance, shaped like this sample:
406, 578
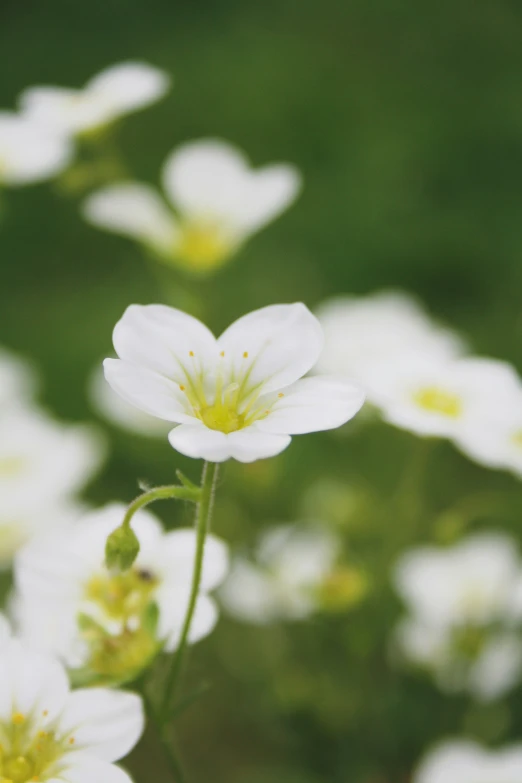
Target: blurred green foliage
406, 120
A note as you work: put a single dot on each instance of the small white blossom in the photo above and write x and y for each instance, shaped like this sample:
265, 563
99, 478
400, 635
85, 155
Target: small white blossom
117, 411
72, 605
17, 380
29, 152
464, 614
293, 573
240, 396
113, 93
362, 332
50, 733
218, 202
466, 762
43, 464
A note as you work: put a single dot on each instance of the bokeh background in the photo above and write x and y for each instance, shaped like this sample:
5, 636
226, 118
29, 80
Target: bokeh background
406, 121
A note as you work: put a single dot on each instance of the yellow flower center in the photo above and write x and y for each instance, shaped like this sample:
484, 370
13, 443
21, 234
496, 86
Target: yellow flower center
203, 246
436, 400
342, 589
128, 600
26, 753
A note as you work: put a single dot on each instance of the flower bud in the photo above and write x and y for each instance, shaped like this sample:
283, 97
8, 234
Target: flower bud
122, 548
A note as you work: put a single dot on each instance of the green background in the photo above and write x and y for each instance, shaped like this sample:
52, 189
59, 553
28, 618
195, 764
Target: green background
406, 120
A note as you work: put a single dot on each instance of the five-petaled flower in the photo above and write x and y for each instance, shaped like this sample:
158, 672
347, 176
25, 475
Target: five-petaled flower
219, 201
240, 396
50, 733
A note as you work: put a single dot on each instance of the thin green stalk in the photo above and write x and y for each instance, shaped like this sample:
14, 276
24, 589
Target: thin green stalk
161, 493
202, 525
171, 757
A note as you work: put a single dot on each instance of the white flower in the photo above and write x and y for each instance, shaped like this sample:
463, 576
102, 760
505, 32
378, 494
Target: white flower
50, 733
17, 380
117, 411
464, 614
446, 399
29, 152
43, 463
283, 582
362, 332
467, 762
92, 618
115, 92
218, 201
241, 396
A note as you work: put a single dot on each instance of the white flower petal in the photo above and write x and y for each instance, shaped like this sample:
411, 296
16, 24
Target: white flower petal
248, 594
28, 152
498, 668
311, 405
133, 210
197, 441
78, 767
267, 193
165, 340
178, 549
30, 683
105, 723
273, 346
147, 390
129, 86
63, 110
467, 762
172, 616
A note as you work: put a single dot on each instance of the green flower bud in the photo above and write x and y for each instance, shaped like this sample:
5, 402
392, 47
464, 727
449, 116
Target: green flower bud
121, 549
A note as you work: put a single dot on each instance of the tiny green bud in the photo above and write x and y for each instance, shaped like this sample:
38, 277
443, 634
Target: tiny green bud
122, 548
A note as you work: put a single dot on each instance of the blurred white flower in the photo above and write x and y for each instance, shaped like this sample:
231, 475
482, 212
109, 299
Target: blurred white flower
362, 332
113, 93
50, 733
464, 613
293, 573
117, 411
240, 396
111, 624
43, 463
447, 399
18, 380
218, 201
29, 152
466, 762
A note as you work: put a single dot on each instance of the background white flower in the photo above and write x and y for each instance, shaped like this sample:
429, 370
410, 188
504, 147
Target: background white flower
29, 152
241, 396
464, 613
218, 201
466, 762
50, 733
282, 581
18, 380
114, 92
69, 603
361, 332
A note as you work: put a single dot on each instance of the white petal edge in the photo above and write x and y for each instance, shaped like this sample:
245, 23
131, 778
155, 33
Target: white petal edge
248, 445
78, 767
129, 85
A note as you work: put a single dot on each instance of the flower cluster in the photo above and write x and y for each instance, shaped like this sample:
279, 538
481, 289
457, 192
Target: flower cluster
465, 606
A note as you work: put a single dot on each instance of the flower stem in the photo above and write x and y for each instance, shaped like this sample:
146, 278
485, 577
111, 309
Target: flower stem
202, 525
161, 493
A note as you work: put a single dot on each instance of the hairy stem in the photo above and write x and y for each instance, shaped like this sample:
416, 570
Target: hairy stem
161, 493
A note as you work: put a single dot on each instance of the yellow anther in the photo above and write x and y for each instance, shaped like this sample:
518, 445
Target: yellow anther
222, 353
181, 387
191, 353
72, 740
18, 718
245, 355
280, 394
42, 734
45, 713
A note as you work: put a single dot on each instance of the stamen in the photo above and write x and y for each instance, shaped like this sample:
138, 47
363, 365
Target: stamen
18, 718
191, 353
245, 355
181, 387
222, 353
280, 394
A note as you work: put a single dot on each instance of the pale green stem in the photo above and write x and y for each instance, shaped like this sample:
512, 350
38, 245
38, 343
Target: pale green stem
202, 525
161, 493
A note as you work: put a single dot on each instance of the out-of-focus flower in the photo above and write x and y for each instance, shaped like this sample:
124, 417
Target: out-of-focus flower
218, 201
241, 396
464, 613
446, 399
42, 465
109, 625
362, 332
29, 152
294, 573
466, 762
117, 411
17, 380
113, 93
50, 733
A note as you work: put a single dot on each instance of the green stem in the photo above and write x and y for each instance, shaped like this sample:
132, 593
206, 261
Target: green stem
171, 757
202, 525
161, 493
